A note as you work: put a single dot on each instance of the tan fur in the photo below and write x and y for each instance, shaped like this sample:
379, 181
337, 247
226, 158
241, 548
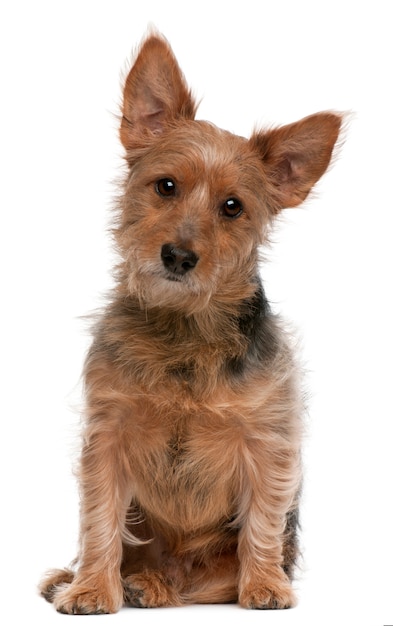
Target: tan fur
190, 468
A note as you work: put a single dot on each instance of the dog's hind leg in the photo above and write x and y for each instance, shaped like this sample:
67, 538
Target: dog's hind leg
53, 581
214, 582
291, 543
180, 582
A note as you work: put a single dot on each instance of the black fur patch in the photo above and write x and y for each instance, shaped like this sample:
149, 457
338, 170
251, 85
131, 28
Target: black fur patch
257, 324
291, 542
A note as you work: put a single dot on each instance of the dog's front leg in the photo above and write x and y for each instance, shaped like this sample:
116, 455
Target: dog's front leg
270, 483
97, 587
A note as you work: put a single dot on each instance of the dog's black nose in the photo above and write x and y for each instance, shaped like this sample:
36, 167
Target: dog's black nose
176, 260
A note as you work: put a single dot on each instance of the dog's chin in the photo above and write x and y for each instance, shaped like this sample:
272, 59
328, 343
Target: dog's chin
169, 291
174, 278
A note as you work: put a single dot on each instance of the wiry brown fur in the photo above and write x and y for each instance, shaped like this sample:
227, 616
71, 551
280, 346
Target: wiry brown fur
190, 468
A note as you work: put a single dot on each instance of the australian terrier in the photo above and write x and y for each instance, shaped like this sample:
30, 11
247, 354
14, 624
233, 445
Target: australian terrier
190, 468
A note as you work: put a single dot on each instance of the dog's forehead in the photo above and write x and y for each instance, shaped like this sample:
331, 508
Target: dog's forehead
196, 149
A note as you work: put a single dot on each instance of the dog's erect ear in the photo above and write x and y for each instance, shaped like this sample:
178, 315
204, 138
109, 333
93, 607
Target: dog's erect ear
155, 93
295, 156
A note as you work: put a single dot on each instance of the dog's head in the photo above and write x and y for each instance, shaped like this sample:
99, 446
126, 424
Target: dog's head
198, 200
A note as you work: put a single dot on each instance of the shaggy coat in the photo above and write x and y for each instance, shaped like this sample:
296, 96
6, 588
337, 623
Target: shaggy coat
190, 468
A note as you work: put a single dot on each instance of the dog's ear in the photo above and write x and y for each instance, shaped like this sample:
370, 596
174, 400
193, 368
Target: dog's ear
295, 156
155, 93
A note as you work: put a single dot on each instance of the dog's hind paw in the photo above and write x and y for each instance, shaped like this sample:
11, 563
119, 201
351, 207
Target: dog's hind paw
150, 589
53, 581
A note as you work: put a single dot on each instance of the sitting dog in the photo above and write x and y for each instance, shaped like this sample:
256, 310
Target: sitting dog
190, 469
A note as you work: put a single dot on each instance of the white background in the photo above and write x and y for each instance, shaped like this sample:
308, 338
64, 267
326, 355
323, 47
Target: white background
329, 271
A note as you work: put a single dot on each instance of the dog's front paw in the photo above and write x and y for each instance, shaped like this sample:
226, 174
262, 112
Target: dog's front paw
90, 598
267, 595
150, 589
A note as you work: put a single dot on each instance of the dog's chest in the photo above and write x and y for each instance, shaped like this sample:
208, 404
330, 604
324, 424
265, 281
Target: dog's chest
191, 475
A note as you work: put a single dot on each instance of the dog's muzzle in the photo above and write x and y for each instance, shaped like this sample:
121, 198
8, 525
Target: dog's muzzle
178, 261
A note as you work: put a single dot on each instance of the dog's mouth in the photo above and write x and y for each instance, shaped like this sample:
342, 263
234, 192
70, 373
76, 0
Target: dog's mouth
173, 278
155, 285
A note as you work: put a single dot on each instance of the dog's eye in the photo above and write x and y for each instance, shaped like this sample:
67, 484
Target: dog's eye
165, 187
232, 208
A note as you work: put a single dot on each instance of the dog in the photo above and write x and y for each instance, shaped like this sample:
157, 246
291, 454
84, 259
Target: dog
190, 470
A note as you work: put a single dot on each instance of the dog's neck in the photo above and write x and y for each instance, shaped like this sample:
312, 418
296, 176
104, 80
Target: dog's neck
152, 343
